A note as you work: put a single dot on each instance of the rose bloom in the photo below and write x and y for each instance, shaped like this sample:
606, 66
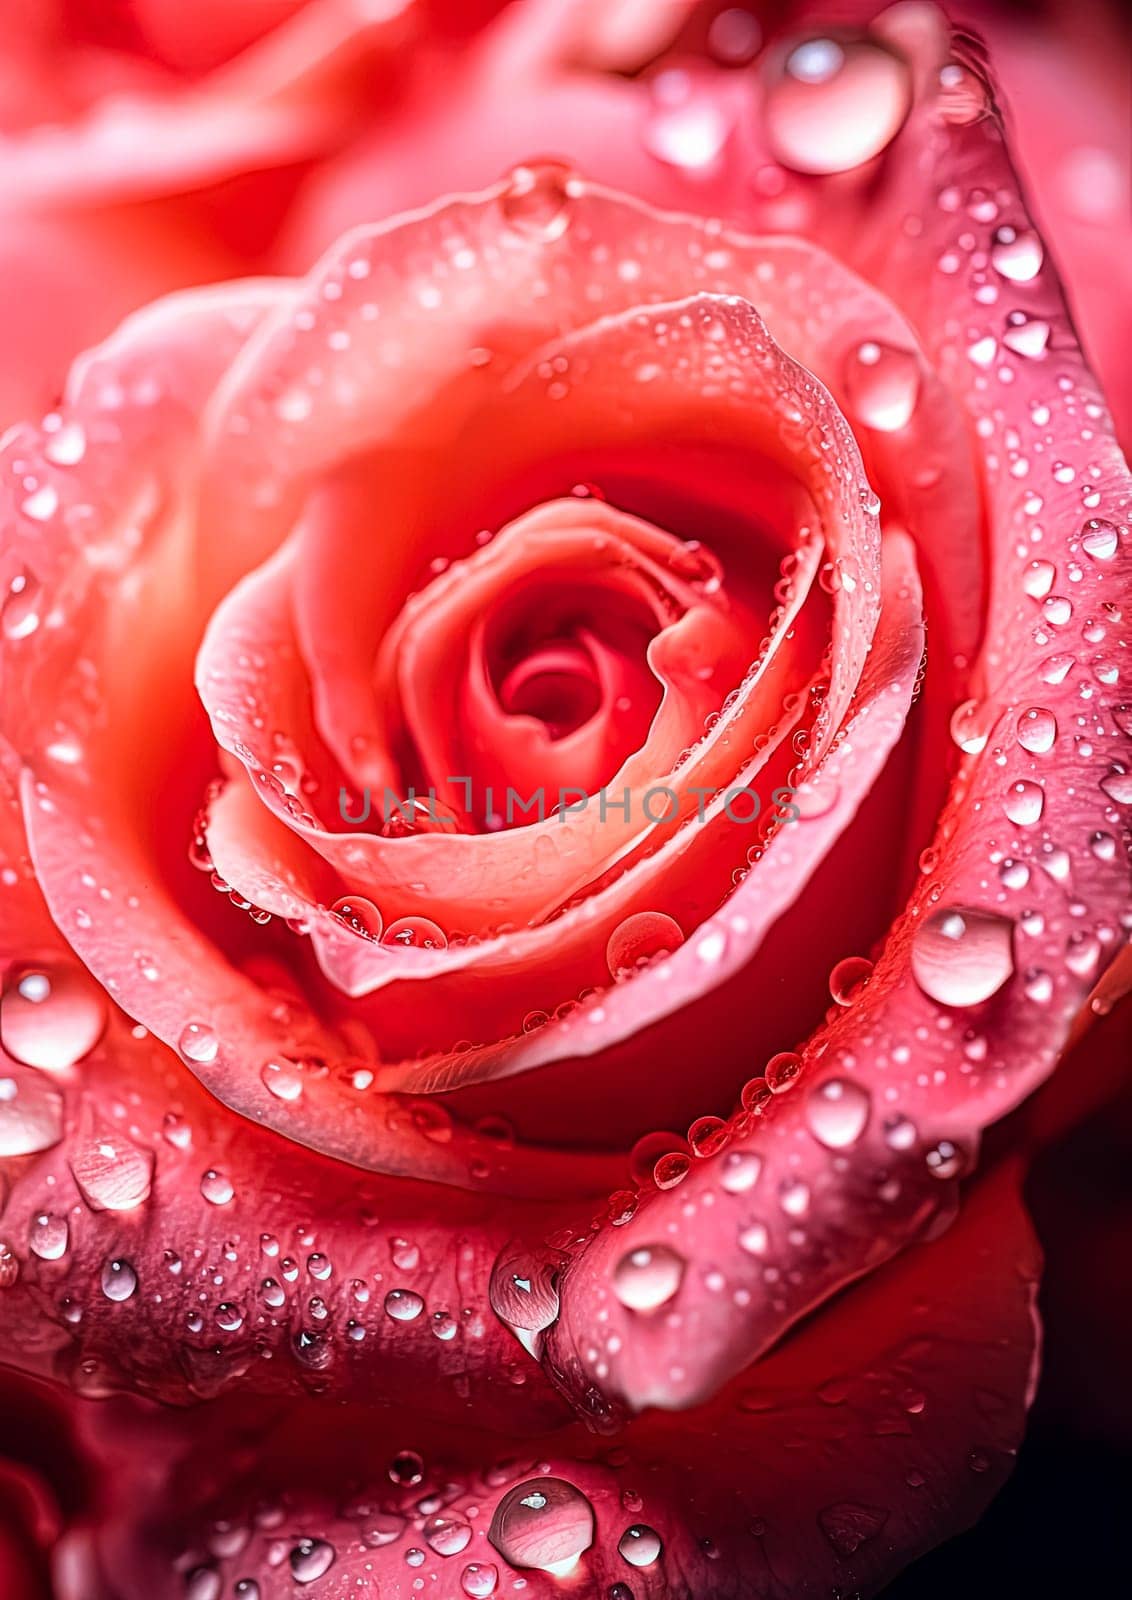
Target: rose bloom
566, 756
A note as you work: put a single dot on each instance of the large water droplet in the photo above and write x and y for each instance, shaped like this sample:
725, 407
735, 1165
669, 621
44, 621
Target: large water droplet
648, 1277
962, 956
639, 1545
1100, 539
31, 1113
545, 1523
112, 1173
216, 1187
882, 385
837, 1111
51, 1015
537, 200
836, 104
198, 1043
415, 933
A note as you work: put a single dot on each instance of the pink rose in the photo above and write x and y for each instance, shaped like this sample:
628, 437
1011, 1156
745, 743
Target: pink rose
465, 710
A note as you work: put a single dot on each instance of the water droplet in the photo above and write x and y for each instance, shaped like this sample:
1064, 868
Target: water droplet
406, 1469
962, 956
31, 1113
19, 611
945, 1160
544, 1523
1024, 802
970, 726
51, 1015
1026, 336
639, 939
447, 1535
283, 1078
67, 445
639, 1545
1037, 730
478, 1580
794, 1197
403, 1305
687, 126
739, 1171
537, 200
48, 1236
198, 1043
1099, 539
216, 1187
848, 979
415, 933
882, 385
1118, 786
112, 1173
900, 1132
836, 104
648, 1277
361, 916
848, 1525
782, 1071
522, 1290
837, 1112
1017, 254
310, 1558
118, 1280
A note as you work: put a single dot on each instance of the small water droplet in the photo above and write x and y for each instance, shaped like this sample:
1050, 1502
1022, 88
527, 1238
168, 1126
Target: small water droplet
414, 933
479, 1579
112, 1173
1100, 539
739, 1171
848, 979
198, 1043
962, 956
31, 1114
447, 1535
48, 1236
537, 200
283, 1078
216, 1187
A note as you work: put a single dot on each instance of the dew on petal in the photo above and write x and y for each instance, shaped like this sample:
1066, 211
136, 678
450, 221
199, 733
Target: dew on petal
198, 1043
739, 1171
1017, 254
1037, 730
31, 1113
479, 1580
639, 1545
112, 1173
1100, 539
118, 1279
414, 933
216, 1187
1024, 802
447, 1535
882, 385
51, 1015
538, 200
648, 1277
544, 1523
836, 104
361, 916
48, 1236
522, 1290
310, 1559
403, 1305
639, 938
962, 956
837, 1112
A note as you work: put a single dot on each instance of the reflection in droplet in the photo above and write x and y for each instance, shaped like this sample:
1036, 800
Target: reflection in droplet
640, 938
545, 1523
537, 200
639, 1545
962, 956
